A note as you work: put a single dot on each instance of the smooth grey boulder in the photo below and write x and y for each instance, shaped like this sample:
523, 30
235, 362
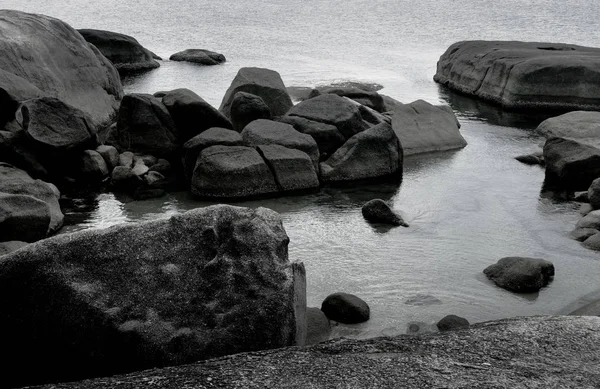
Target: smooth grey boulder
345, 308
268, 132
524, 75
144, 125
126, 159
124, 51
333, 110
265, 83
10, 246
452, 322
531, 159
378, 211
390, 104
211, 137
110, 155
581, 126
17, 182
139, 167
327, 136
374, 153
593, 194
13, 91
571, 164
56, 127
199, 56
591, 220
246, 108
593, 242
209, 282
521, 274
232, 172
423, 127
124, 179
292, 169
192, 115
55, 58
23, 217
92, 166
581, 234
369, 99
318, 327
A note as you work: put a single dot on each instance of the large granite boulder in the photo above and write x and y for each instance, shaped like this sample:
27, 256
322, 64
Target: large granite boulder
529, 75
199, 56
268, 132
374, 153
369, 99
144, 125
124, 51
192, 115
520, 274
56, 59
232, 172
14, 90
29, 209
16, 149
292, 169
212, 137
581, 126
327, 136
571, 164
92, 166
209, 282
246, 108
334, 110
265, 83
423, 127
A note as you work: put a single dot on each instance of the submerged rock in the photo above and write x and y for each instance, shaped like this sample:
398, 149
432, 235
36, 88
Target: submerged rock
199, 56
520, 274
378, 211
524, 75
531, 159
206, 283
345, 308
124, 51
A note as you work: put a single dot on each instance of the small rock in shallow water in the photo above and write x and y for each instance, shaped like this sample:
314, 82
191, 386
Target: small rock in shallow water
377, 211
531, 159
520, 274
345, 308
593, 242
452, 322
582, 234
199, 56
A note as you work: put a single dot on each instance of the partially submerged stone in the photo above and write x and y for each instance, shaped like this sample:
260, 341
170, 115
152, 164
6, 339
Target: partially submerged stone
521, 274
378, 211
571, 164
345, 308
452, 322
199, 56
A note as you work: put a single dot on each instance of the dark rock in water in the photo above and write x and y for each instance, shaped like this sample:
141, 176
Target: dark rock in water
16, 182
199, 56
369, 99
423, 127
345, 308
268, 132
520, 353
334, 110
374, 153
452, 322
580, 126
520, 274
144, 125
531, 159
93, 166
57, 127
593, 242
110, 155
10, 246
524, 75
581, 234
318, 328
211, 137
142, 193
57, 60
264, 83
192, 115
571, 164
593, 194
123, 179
377, 211
245, 171
124, 51
292, 169
327, 136
591, 220
212, 281
13, 91
419, 300
246, 108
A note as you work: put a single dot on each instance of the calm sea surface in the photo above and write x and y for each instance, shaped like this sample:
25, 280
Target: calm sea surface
466, 208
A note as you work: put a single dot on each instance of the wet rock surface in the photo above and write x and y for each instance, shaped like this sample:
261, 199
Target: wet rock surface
521, 274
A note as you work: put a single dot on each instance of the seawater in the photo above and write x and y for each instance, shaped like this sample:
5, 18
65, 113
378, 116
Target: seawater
466, 208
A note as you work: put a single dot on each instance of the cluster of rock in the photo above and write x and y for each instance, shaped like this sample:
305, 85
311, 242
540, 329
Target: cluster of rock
523, 75
212, 281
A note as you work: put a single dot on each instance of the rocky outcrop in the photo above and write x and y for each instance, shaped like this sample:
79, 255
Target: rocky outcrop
264, 83
292, 169
571, 164
245, 108
211, 137
378, 211
192, 115
56, 59
580, 126
327, 136
209, 282
520, 353
124, 51
524, 75
374, 153
199, 56
345, 308
14, 90
520, 274
422, 127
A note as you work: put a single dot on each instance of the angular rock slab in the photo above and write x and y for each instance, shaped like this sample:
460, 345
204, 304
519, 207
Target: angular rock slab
571, 164
580, 126
56, 59
422, 128
232, 172
212, 137
293, 169
205, 283
374, 153
124, 51
520, 274
265, 83
327, 136
524, 75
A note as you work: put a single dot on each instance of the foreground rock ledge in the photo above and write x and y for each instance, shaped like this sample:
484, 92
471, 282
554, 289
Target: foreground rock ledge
543, 351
